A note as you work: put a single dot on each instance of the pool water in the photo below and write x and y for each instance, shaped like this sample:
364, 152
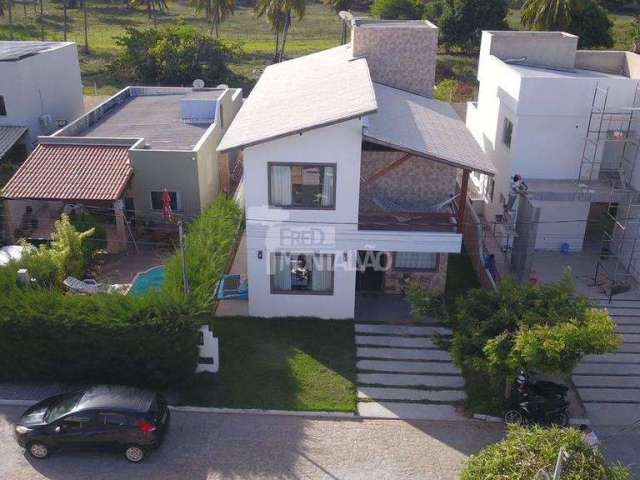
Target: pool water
148, 280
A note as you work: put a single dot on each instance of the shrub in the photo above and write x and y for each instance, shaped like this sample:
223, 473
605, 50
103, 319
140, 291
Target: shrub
67, 255
527, 450
172, 56
545, 328
85, 221
423, 302
209, 240
49, 336
450, 90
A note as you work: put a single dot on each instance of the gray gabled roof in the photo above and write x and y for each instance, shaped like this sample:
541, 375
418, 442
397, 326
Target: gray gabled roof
300, 94
426, 127
8, 138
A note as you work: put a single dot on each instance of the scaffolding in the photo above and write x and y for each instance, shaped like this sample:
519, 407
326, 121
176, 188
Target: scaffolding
609, 155
613, 129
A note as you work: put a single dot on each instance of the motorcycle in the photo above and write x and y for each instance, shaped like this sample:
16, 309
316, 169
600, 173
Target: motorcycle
540, 388
537, 402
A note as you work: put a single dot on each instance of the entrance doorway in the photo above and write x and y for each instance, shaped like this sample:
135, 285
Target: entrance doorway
599, 222
370, 273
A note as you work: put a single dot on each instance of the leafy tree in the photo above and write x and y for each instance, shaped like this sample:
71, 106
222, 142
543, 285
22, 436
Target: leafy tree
591, 23
585, 18
462, 21
526, 451
397, 9
216, 11
280, 14
546, 328
175, 55
634, 31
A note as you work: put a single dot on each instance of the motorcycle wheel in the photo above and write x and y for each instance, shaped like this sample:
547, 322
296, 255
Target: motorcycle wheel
560, 419
513, 417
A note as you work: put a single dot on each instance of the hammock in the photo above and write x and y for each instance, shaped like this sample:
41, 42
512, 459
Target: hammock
390, 205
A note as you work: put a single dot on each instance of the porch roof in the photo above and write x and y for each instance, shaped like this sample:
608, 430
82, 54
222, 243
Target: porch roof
72, 172
8, 138
424, 127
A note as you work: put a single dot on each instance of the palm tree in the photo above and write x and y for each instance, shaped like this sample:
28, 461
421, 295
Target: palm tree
547, 14
280, 15
216, 11
338, 5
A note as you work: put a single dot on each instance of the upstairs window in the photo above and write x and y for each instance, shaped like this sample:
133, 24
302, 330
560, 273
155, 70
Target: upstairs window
302, 186
176, 201
507, 132
3, 107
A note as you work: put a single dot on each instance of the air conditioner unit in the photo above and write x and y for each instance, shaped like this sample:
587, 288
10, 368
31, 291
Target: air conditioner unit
46, 121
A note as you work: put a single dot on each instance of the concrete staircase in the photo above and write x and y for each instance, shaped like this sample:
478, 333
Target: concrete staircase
609, 385
402, 373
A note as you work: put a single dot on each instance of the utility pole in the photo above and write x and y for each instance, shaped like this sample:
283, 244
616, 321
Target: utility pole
185, 278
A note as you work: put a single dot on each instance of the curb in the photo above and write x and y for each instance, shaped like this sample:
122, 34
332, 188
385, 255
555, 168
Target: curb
250, 411
255, 411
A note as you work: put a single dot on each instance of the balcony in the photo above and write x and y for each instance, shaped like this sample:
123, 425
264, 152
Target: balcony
407, 222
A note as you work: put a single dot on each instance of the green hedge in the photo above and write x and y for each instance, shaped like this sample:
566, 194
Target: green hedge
209, 242
527, 450
50, 336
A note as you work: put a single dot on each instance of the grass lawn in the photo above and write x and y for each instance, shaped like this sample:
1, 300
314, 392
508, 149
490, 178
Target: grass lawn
284, 364
319, 29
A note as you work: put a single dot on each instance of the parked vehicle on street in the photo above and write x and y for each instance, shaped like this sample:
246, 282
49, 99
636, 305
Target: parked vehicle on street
537, 402
101, 417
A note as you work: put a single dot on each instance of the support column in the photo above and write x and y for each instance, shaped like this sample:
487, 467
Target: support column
120, 243
462, 199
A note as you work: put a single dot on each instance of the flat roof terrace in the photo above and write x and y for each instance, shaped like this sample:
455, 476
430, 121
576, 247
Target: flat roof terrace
156, 118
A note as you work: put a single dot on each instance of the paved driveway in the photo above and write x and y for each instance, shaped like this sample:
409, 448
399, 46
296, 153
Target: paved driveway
215, 446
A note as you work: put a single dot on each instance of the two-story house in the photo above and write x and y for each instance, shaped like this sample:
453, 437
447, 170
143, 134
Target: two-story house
354, 177
40, 91
566, 121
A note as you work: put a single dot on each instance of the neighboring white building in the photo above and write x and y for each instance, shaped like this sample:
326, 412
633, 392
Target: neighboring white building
350, 184
564, 120
40, 91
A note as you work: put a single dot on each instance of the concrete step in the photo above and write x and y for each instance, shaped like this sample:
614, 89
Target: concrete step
411, 394
614, 358
408, 380
635, 329
618, 414
408, 411
618, 303
629, 348
624, 319
631, 338
606, 369
394, 341
610, 395
408, 367
402, 353
402, 330
606, 381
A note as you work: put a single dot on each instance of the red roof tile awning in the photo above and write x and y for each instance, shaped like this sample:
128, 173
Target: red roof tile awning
72, 172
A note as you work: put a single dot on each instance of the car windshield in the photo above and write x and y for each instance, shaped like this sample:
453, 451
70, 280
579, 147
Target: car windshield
62, 407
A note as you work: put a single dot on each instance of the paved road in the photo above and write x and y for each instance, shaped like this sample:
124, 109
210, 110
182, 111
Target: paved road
215, 446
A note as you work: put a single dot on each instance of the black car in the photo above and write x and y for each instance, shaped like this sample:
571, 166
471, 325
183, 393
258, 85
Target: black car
100, 417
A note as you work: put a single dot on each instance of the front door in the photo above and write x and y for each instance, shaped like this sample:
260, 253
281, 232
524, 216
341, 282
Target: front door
371, 268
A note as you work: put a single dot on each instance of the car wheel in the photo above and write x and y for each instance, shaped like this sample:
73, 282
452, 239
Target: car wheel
513, 417
560, 419
38, 450
134, 453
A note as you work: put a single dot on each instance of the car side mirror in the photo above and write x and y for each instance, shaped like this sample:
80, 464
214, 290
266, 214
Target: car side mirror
58, 429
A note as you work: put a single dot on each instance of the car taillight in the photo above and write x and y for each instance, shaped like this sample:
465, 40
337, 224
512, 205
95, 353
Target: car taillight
146, 426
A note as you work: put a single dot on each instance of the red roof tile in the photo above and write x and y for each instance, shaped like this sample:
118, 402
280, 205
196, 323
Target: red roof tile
72, 172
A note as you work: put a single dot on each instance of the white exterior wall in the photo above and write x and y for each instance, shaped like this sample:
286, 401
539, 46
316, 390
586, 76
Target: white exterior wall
46, 83
336, 231
550, 116
554, 228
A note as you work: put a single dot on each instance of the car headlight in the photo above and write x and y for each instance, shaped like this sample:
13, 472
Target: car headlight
22, 430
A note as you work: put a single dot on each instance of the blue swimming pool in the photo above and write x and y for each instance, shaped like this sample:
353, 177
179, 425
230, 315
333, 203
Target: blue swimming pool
148, 280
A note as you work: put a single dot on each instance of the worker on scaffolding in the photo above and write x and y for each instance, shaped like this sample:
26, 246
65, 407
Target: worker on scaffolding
518, 189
